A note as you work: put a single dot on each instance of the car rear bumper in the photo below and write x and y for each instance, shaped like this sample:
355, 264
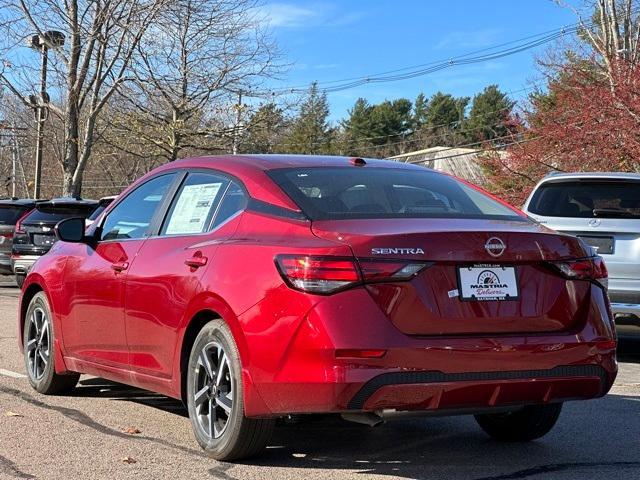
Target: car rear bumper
21, 264
625, 305
430, 390
435, 373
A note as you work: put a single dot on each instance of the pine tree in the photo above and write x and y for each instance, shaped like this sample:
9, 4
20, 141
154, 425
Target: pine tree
264, 130
310, 130
489, 115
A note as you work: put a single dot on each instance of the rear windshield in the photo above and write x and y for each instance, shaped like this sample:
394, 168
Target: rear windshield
10, 215
587, 199
325, 193
61, 213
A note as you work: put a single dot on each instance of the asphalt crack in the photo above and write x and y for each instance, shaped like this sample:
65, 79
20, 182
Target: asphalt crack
557, 467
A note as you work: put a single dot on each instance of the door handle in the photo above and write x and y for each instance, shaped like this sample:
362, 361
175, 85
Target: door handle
196, 261
119, 266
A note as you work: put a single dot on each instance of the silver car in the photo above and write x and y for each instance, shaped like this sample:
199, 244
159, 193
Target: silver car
603, 209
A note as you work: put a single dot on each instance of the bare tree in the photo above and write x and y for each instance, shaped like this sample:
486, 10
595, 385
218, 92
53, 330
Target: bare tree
612, 31
102, 37
193, 67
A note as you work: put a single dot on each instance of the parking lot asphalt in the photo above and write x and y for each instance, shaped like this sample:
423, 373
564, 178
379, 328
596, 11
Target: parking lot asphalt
111, 431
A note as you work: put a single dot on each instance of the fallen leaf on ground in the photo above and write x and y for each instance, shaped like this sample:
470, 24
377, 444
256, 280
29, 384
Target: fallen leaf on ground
132, 431
9, 413
129, 460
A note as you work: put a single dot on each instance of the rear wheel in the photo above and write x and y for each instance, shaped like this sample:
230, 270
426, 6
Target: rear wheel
20, 279
38, 337
215, 398
533, 421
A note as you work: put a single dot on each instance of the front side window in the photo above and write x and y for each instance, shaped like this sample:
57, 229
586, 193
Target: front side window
328, 193
131, 218
195, 204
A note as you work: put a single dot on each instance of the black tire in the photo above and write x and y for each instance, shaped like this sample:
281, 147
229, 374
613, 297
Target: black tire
39, 357
227, 434
20, 279
533, 421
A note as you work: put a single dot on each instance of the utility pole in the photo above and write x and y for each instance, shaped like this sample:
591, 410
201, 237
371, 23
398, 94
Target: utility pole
236, 128
42, 43
41, 116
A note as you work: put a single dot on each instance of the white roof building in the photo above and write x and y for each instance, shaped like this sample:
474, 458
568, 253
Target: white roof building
461, 162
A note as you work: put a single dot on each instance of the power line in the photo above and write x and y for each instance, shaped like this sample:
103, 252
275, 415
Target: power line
403, 73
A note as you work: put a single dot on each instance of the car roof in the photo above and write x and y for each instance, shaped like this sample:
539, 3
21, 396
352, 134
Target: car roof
275, 161
67, 201
591, 176
252, 170
22, 202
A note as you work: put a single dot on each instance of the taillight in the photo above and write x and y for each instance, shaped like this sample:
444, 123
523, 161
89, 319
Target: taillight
592, 268
18, 227
385, 271
324, 275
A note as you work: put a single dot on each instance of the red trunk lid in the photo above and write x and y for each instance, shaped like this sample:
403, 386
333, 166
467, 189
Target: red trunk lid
430, 304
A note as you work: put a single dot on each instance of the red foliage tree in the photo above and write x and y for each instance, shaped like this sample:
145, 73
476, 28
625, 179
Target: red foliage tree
586, 122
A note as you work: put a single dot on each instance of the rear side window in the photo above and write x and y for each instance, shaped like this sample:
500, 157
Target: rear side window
234, 201
10, 215
326, 193
587, 199
195, 204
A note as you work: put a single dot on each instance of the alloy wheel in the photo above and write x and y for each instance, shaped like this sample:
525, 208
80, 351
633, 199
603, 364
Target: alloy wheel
38, 344
213, 390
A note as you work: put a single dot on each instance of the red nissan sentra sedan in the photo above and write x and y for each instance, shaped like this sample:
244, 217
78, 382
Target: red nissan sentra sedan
252, 287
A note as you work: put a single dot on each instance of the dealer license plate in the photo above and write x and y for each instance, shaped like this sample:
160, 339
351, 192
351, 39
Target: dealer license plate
487, 282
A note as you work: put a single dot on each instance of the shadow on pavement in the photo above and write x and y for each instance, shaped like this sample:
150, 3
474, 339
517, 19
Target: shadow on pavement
629, 350
101, 388
449, 447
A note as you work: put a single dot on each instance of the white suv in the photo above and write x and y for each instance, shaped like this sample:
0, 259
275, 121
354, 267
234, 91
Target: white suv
603, 209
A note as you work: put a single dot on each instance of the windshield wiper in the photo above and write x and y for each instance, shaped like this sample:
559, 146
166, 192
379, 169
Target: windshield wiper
619, 212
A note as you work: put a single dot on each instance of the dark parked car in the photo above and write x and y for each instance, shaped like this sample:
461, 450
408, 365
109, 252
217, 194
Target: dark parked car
34, 234
11, 210
103, 203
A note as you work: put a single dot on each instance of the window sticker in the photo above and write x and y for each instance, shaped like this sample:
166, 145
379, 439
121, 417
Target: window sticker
192, 208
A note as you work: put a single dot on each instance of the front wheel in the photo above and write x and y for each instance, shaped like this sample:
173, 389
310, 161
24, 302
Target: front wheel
533, 421
38, 337
215, 398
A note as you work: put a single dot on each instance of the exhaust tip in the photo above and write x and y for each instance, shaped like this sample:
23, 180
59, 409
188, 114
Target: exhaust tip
365, 418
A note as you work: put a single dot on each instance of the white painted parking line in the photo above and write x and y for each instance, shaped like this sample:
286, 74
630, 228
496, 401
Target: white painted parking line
9, 373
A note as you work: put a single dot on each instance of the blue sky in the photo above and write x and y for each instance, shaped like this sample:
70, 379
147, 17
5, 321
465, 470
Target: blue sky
331, 40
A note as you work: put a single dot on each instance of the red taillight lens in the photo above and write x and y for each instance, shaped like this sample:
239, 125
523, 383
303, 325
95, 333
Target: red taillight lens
323, 275
18, 227
592, 268
317, 274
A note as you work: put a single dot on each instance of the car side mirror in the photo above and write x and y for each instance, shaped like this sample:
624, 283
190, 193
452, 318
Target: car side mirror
71, 230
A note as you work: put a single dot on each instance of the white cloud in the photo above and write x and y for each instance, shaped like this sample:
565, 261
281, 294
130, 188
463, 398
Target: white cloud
288, 15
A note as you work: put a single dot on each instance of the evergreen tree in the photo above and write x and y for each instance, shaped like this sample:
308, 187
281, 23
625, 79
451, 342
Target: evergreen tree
310, 131
358, 126
439, 120
489, 115
264, 130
